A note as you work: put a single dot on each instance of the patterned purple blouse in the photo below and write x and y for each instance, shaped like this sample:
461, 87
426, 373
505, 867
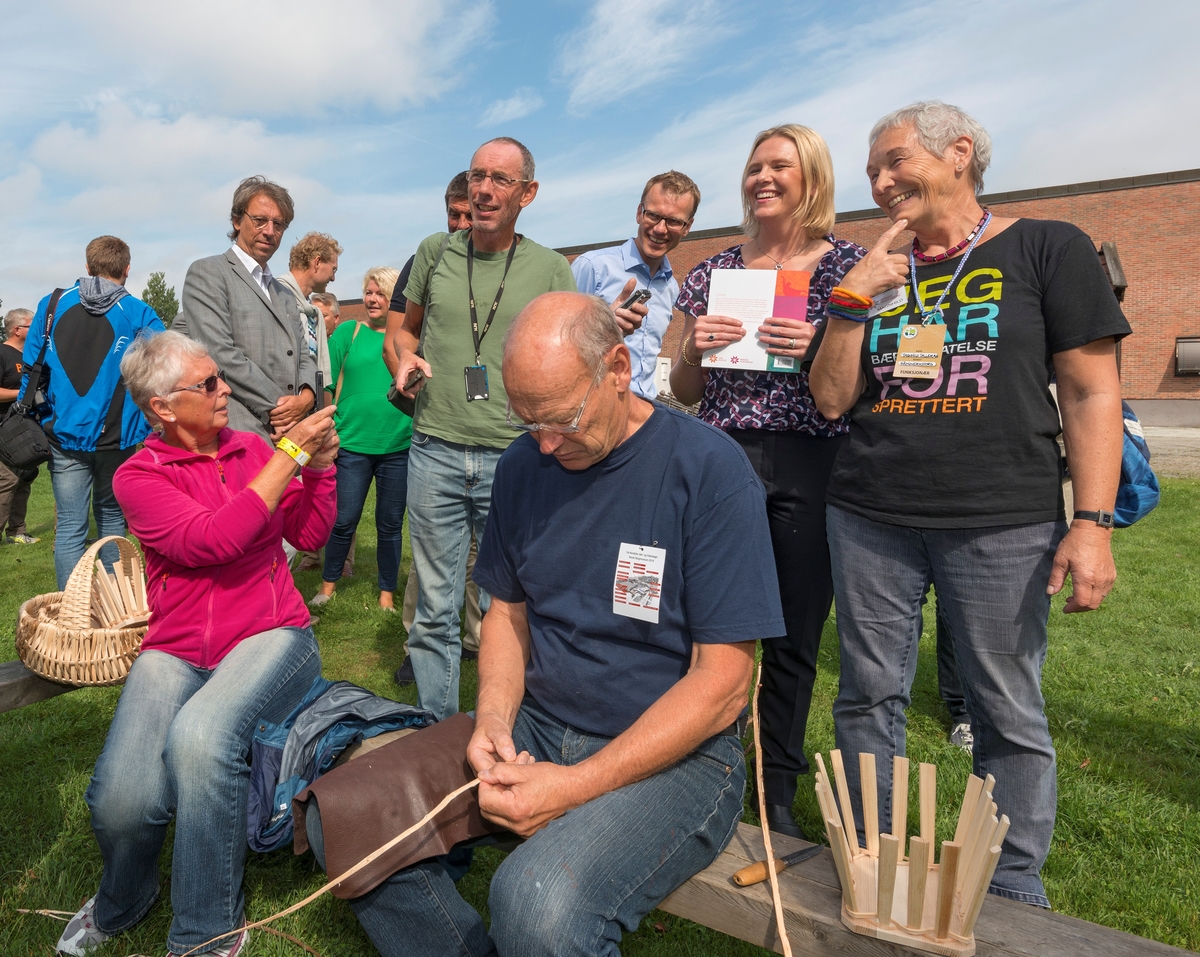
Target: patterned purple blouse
774, 401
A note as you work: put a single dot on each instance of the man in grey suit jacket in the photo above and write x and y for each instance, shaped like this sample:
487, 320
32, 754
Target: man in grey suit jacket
248, 320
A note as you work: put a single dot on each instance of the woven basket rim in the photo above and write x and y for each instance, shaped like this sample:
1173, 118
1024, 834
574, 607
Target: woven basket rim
62, 645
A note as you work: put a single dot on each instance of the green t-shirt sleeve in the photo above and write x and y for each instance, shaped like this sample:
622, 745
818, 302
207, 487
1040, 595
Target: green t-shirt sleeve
339, 345
563, 280
417, 289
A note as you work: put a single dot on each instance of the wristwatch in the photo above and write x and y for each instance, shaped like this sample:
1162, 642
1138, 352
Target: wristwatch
288, 447
1103, 519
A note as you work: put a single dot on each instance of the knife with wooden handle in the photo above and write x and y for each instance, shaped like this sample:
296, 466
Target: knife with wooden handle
757, 873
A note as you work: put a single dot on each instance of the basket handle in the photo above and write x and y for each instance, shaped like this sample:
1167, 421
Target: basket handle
76, 609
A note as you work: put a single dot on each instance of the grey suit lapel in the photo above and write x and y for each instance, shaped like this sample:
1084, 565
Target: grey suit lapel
276, 306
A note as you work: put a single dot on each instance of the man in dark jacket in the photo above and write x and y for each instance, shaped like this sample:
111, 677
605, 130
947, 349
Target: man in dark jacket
93, 425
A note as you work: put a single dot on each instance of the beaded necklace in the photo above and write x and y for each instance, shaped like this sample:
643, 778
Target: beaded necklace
935, 314
950, 252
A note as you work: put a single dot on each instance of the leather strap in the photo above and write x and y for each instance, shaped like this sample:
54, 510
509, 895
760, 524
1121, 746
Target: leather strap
35, 374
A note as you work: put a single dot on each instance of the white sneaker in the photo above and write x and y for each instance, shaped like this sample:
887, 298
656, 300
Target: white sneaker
961, 737
81, 935
230, 947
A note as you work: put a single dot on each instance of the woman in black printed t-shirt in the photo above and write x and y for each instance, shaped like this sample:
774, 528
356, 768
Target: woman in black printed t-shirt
951, 474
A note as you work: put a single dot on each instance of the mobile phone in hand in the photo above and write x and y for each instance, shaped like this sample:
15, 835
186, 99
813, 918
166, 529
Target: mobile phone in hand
638, 295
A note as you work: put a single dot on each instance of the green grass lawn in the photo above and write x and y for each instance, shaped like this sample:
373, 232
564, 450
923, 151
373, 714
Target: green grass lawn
1123, 696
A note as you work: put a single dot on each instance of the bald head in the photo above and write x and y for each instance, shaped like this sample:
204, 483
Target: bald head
557, 326
563, 351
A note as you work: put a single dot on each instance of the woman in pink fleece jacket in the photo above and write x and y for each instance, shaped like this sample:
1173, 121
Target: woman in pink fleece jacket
229, 644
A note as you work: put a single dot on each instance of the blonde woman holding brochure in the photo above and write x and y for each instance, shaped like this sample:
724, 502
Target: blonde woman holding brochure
787, 195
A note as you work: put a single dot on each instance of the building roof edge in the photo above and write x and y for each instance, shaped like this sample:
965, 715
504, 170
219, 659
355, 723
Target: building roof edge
1011, 196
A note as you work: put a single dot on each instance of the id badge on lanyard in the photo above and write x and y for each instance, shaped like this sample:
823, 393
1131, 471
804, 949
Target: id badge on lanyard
477, 383
475, 376
920, 352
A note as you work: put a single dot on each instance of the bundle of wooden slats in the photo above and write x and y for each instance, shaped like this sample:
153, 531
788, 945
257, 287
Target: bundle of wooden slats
908, 898
89, 633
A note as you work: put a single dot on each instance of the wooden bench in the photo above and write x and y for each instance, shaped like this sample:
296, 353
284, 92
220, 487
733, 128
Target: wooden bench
19, 686
811, 898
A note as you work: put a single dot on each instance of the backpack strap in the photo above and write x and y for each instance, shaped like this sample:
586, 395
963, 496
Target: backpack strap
35, 374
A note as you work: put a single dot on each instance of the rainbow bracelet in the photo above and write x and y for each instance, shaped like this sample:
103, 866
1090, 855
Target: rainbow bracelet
844, 304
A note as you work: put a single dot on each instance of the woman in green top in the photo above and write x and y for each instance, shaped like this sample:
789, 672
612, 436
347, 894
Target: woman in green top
375, 440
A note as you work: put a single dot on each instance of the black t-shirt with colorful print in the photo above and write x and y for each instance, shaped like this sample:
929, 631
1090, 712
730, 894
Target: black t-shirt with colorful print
976, 446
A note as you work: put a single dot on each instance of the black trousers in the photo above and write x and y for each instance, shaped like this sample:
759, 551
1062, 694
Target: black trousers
795, 469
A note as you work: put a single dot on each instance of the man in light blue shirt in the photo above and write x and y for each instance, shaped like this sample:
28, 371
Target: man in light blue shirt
664, 217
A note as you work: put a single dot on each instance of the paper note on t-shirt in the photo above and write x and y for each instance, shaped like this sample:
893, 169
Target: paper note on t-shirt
752, 295
637, 585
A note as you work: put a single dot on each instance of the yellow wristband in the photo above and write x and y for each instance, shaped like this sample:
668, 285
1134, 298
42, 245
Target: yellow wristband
289, 447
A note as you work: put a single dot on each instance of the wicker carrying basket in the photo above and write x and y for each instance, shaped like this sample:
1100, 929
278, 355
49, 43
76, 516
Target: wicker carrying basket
89, 634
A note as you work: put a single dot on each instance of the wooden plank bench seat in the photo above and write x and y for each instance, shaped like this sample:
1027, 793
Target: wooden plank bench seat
19, 686
811, 898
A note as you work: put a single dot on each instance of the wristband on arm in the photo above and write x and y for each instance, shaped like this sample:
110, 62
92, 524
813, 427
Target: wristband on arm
288, 447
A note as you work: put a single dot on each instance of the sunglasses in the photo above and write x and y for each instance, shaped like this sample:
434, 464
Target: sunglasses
207, 386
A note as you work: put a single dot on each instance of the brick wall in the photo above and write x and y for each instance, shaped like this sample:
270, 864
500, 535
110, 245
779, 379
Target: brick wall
1154, 228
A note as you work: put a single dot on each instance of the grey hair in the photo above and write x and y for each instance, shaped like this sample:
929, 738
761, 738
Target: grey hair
527, 165
328, 299
153, 364
937, 125
14, 318
592, 331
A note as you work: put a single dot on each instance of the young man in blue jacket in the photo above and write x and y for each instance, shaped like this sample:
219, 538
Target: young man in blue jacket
92, 424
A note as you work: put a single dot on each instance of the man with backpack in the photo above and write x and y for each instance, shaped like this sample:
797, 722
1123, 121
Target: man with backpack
92, 423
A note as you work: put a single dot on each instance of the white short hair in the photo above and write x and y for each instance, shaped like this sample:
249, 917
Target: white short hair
327, 299
153, 364
13, 318
937, 125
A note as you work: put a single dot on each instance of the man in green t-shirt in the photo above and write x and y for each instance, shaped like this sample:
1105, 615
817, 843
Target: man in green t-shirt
463, 291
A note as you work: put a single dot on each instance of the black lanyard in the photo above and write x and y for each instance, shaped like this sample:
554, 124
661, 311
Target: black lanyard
495, 302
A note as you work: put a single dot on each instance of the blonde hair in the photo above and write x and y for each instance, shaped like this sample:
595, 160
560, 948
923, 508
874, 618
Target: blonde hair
815, 212
384, 277
312, 246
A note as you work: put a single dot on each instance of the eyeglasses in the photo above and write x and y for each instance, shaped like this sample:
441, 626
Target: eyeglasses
476, 177
207, 386
260, 223
552, 426
653, 219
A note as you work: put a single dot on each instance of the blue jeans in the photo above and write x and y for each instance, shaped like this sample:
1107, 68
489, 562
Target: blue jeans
449, 492
80, 479
354, 474
573, 887
177, 746
949, 685
991, 585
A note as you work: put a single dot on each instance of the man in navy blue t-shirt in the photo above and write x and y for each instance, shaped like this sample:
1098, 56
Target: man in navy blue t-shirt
631, 570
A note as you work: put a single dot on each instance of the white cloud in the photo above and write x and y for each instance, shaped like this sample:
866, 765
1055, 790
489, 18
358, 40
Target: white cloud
1063, 91
162, 185
293, 57
523, 102
628, 45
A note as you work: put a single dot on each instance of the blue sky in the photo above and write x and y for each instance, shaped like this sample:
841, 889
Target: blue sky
138, 117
